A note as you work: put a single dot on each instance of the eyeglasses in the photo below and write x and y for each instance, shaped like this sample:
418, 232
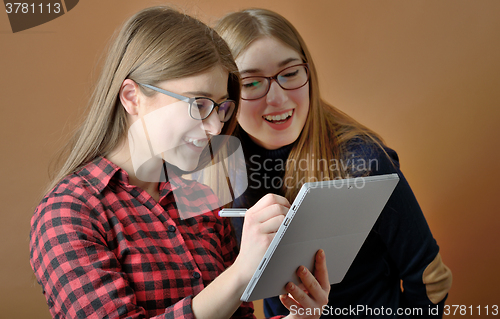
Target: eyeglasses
290, 78
200, 108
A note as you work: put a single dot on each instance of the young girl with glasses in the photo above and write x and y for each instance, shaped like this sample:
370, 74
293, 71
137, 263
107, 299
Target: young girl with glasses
291, 136
109, 239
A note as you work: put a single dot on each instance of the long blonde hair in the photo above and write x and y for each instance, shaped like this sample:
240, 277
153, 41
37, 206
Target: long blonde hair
327, 130
154, 45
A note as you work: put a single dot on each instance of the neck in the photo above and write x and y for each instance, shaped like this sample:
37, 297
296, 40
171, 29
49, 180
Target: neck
121, 157
254, 148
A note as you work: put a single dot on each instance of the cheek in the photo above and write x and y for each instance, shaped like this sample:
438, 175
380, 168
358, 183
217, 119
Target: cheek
250, 113
167, 125
301, 98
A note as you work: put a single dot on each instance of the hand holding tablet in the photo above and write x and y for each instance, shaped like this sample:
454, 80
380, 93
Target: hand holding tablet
335, 216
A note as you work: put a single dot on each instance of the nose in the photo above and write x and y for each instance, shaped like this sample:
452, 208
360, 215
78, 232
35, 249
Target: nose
212, 124
276, 95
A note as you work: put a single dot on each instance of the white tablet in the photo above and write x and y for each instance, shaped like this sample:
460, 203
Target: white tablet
335, 216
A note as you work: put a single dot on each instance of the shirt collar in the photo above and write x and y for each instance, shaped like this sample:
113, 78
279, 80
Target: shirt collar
101, 171
174, 182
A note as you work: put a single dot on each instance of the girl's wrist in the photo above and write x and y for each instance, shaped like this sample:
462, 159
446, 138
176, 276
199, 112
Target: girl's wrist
240, 274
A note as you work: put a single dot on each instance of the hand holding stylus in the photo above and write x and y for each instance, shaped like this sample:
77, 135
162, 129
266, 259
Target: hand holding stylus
261, 224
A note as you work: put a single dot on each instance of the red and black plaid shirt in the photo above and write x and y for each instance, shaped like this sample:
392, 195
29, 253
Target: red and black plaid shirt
102, 248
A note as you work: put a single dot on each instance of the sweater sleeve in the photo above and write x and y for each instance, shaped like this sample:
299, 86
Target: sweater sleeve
403, 228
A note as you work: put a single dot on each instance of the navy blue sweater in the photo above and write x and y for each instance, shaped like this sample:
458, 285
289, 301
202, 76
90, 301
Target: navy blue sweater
396, 253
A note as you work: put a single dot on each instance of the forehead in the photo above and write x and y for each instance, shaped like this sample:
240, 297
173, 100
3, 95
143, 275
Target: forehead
267, 54
212, 81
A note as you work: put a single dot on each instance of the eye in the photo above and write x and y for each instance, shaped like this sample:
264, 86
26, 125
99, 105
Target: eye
203, 104
290, 73
251, 83
293, 77
201, 108
225, 110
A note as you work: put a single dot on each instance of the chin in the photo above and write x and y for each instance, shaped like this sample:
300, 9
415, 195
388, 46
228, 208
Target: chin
278, 143
187, 166
182, 166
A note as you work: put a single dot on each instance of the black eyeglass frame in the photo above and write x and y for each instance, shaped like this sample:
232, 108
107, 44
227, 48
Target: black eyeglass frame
190, 101
275, 78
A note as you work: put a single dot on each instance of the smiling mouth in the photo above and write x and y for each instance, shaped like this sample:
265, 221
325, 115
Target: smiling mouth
278, 119
197, 142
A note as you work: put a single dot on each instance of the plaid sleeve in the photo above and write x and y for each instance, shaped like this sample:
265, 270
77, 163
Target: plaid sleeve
81, 277
229, 253
229, 245
181, 309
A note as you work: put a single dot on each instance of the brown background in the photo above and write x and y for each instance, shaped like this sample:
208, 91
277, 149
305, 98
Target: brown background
424, 74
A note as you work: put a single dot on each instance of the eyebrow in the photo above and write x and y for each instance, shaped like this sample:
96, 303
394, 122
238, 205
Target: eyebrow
281, 64
205, 94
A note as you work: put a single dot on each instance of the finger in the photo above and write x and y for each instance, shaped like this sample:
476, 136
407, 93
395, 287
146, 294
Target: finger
288, 302
315, 295
311, 285
266, 213
270, 212
301, 286
270, 199
300, 298
321, 271
272, 225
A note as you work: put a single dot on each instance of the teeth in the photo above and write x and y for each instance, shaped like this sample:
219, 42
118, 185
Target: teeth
279, 117
198, 143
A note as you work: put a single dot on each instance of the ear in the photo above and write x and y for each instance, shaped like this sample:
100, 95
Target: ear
129, 98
